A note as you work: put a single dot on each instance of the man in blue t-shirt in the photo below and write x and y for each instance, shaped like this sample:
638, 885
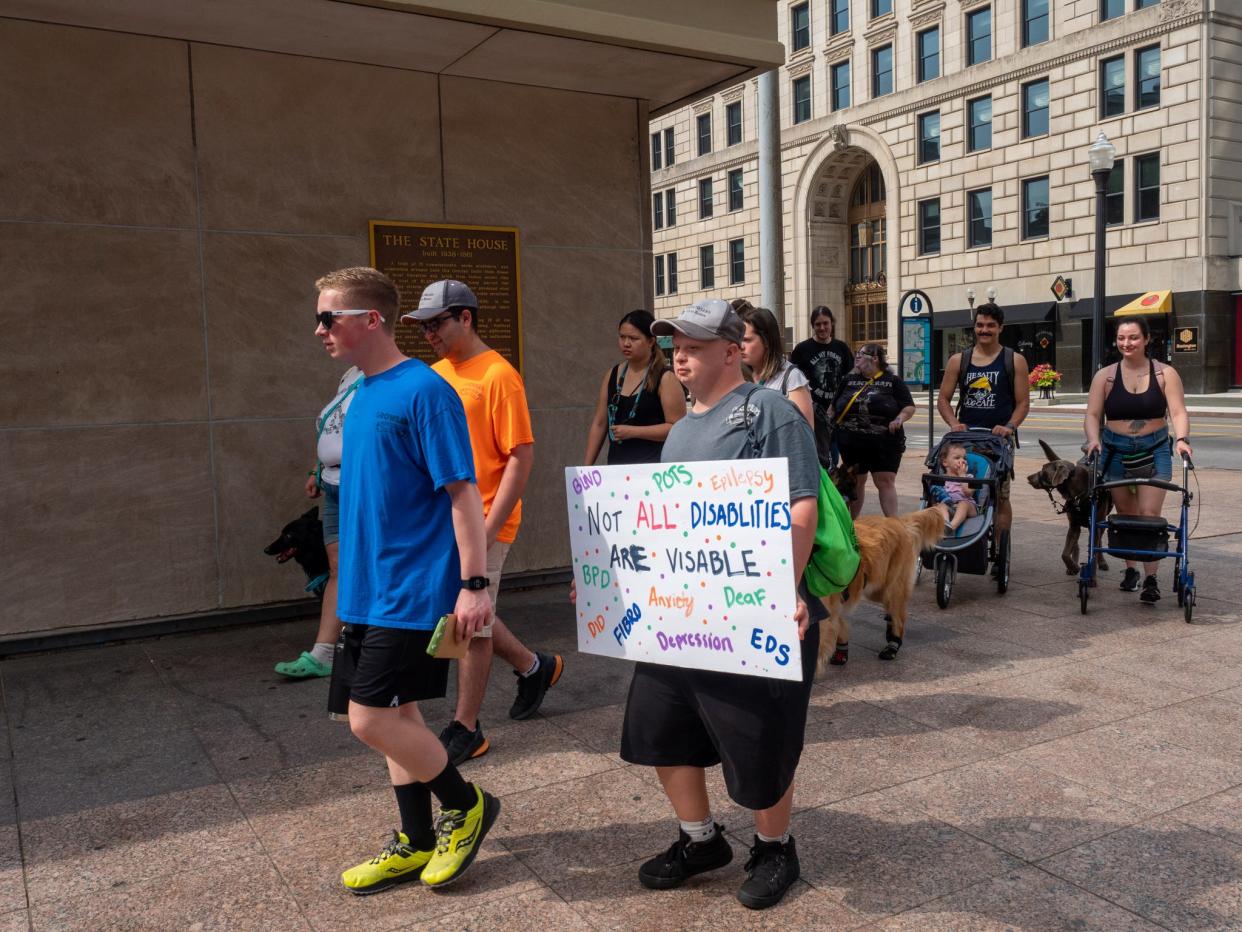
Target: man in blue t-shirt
412, 550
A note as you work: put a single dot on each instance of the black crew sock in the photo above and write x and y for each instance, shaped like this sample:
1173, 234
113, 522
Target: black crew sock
414, 803
452, 791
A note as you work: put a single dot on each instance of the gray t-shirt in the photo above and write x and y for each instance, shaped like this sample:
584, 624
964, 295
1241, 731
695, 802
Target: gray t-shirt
720, 433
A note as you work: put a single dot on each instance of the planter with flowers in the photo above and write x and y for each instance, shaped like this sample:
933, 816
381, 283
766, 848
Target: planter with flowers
1046, 379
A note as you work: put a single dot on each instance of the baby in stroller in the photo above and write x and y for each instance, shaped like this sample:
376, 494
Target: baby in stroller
955, 499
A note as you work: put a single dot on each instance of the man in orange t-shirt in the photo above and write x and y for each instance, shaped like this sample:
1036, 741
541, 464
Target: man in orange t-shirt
494, 397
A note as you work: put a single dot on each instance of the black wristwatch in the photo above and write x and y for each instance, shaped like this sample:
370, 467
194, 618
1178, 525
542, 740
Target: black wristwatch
1185, 440
475, 583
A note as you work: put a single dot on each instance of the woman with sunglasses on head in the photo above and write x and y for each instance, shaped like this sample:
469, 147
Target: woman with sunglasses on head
639, 399
763, 353
324, 482
870, 409
1132, 398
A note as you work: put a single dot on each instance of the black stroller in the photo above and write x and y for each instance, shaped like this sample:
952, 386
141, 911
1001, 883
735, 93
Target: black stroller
977, 544
1139, 537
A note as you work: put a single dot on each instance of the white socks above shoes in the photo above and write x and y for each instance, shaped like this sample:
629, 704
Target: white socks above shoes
533, 667
323, 653
766, 839
700, 831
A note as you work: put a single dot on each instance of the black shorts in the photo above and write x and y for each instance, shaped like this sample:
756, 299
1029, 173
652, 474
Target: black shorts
385, 667
753, 726
871, 452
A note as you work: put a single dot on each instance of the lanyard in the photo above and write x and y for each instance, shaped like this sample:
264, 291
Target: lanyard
616, 396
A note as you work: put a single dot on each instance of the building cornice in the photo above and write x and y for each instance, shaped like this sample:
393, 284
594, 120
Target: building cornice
839, 46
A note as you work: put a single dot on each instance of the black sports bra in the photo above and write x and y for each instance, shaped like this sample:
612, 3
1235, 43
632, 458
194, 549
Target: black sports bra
1123, 405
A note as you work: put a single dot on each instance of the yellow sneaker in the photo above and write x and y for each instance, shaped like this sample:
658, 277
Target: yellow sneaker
397, 863
458, 836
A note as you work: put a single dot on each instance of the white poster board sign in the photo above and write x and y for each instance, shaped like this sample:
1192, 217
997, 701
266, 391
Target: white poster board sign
686, 564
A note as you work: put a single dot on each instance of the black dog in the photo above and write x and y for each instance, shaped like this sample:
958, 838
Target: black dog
1072, 481
302, 540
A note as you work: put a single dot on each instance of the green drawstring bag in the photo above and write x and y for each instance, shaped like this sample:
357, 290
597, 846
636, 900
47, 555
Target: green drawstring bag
834, 555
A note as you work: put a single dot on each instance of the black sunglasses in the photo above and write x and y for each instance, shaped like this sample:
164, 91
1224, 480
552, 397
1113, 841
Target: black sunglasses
325, 318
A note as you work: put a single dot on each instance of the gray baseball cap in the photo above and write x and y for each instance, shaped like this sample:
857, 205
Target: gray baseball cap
709, 319
438, 297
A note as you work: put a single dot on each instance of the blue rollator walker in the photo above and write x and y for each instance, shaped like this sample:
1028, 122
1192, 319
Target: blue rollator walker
977, 543
1140, 537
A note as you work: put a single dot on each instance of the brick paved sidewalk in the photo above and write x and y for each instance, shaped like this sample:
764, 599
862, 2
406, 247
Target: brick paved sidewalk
1019, 766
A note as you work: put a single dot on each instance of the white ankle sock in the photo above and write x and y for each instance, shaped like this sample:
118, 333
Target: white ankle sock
323, 653
783, 839
700, 831
533, 667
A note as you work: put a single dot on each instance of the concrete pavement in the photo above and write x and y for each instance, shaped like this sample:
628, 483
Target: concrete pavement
1019, 766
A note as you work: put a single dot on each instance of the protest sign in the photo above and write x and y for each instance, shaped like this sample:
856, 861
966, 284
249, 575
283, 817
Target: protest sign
687, 564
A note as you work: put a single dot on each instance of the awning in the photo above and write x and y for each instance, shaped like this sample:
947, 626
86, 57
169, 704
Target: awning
1014, 314
1154, 302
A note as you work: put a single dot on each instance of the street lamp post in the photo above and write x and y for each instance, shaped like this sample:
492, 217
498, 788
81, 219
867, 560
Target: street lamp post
1100, 157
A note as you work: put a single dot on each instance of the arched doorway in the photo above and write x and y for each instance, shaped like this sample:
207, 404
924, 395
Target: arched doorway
866, 287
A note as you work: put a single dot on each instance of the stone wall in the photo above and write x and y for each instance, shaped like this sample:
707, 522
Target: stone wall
165, 207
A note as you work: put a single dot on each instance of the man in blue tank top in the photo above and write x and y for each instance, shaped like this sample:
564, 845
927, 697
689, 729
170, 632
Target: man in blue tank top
995, 391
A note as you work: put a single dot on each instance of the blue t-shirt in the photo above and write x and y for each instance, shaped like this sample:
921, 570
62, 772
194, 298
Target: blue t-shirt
405, 439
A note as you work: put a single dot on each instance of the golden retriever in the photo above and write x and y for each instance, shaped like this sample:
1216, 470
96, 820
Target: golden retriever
887, 548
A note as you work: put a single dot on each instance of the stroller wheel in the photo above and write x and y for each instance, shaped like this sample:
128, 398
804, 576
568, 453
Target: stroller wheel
1084, 591
944, 580
1002, 563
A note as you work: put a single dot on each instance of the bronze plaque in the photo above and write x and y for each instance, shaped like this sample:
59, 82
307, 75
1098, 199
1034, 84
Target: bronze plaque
1186, 340
486, 258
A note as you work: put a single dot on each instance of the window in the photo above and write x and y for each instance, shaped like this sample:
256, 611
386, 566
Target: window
1147, 77
704, 125
671, 263
1034, 22
657, 210
737, 261
800, 26
659, 275
735, 189
1035, 108
929, 226
1115, 195
1035, 207
882, 71
928, 65
733, 123
1113, 86
979, 230
707, 267
802, 99
929, 137
880, 7
656, 152
1143, 4
670, 207
979, 36
979, 124
1147, 187
668, 146
840, 75
1111, 9
838, 16
705, 198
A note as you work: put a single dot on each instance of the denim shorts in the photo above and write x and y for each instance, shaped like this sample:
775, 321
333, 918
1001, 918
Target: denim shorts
330, 513
1116, 445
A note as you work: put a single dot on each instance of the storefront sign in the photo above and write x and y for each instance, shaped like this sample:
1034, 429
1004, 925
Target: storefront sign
486, 258
686, 564
1186, 340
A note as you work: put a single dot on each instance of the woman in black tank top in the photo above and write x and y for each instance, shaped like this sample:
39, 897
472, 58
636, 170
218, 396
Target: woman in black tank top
639, 399
1131, 398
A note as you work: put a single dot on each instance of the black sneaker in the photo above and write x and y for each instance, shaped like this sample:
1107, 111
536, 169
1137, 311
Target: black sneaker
462, 744
1151, 591
1130, 582
685, 859
771, 869
532, 689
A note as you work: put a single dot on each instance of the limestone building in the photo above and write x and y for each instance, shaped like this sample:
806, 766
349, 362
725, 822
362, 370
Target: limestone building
942, 145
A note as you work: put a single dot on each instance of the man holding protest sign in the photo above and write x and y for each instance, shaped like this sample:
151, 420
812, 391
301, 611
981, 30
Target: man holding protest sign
682, 720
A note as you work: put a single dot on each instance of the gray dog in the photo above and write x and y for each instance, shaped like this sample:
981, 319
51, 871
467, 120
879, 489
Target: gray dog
1071, 481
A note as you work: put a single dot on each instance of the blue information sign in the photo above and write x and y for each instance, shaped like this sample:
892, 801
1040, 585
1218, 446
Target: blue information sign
916, 304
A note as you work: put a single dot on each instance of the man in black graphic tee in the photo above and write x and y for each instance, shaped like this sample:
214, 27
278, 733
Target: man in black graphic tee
824, 360
990, 396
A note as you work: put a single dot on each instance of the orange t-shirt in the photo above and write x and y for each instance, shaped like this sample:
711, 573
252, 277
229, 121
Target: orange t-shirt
494, 397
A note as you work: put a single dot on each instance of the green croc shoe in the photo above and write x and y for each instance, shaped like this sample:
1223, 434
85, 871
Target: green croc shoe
303, 668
